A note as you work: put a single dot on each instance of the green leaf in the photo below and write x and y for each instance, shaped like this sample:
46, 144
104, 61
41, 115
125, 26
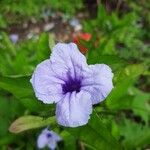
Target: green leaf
106, 59
135, 134
18, 86
30, 122
51, 41
10, 46
43, 50
118, 93
140, 104
6, 140
70, 141
8, 110
130, 72
21, 88
123, 80
98, 131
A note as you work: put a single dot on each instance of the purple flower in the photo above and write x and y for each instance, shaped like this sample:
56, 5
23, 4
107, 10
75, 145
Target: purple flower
14, 38
67, 80
48, 138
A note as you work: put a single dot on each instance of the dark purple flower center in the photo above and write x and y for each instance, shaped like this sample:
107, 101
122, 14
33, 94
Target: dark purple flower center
71, 85
48, 135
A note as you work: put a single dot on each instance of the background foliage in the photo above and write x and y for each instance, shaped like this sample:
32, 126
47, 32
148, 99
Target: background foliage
120, 38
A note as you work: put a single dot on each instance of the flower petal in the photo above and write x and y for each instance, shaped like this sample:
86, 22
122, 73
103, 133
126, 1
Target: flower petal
67, 58
55, 136
42, 140
46, 84
52, 144
98, 82
74, 109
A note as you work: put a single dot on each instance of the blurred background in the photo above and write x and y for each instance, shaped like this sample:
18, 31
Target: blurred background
114, 32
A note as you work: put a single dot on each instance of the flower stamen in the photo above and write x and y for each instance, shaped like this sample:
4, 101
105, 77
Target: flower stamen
71, 85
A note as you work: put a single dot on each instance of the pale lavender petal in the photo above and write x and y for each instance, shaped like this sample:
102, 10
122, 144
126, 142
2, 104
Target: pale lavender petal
42, 140
74, 109
55, 136
52, 144
46, 84
98, 82
67, 58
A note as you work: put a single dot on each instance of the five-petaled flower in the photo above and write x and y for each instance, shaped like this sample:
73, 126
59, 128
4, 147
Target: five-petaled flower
48, 139
67, 80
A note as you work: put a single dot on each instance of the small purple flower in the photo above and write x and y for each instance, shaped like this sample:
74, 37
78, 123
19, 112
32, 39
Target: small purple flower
48, 138
67, 80
14, 38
